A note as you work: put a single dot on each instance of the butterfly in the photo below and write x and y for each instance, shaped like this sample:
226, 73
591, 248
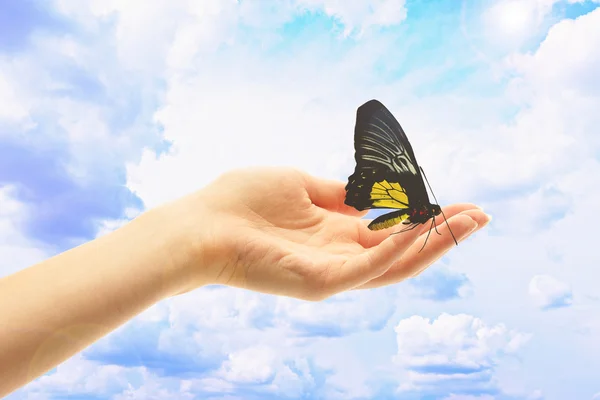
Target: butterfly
387, 174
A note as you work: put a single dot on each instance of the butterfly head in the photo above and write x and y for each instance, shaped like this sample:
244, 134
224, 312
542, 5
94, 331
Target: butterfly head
424, 213
428, 211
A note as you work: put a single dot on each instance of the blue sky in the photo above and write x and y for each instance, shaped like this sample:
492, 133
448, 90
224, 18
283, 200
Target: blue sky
111, 108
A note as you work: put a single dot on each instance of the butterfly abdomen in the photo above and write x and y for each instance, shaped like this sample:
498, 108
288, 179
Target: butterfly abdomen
388, 220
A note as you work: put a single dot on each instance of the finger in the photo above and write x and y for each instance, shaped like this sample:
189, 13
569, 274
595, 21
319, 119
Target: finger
449, 212
369, 238
413, 261
478, 216
371, 263
330, 195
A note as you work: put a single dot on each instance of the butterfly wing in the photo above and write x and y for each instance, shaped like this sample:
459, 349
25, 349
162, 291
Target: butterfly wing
387, 174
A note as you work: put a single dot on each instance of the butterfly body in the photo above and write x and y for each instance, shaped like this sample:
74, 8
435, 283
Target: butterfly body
387, 174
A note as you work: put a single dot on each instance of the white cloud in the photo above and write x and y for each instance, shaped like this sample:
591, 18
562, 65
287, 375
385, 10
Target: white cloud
361, 14
350, 375
251, 365
340, 315
259, 345
549, 136
264, 366
548, 292
14, 106
165, 36
567, 60
210, 313
81, 376
44, 89
17, 251
454, 352
142, 31
209, 109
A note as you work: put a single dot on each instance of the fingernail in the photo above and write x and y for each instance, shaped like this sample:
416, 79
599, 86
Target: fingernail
474, 227
476, 224
488, 219
466, 234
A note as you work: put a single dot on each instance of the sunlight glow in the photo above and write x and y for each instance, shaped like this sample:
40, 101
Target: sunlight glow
512, 17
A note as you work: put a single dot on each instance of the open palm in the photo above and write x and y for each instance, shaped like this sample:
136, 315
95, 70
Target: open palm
289, 233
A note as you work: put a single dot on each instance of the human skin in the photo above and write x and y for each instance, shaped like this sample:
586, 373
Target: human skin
270, 230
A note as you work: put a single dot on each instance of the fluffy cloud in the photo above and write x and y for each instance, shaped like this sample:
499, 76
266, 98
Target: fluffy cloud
548, 292
230, 309
262, 365
362, 14
338, 316
575, 73
17, 251
16, 108
76, 120
73, 377
453, 353
208, 336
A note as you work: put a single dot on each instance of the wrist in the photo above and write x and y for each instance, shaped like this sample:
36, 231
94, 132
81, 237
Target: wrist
186, 238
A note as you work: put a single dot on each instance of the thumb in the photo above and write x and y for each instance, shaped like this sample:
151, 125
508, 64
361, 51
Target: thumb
329, 194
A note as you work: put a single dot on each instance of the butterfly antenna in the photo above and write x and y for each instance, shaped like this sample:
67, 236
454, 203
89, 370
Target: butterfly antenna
431, 190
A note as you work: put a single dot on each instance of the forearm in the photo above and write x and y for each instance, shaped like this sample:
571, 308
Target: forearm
54, 309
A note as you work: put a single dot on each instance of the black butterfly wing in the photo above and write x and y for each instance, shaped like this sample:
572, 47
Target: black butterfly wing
387, 174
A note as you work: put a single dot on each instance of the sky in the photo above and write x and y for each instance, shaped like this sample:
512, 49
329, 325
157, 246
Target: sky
110, 108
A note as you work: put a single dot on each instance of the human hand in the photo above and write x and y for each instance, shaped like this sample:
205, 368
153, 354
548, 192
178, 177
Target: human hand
284, 232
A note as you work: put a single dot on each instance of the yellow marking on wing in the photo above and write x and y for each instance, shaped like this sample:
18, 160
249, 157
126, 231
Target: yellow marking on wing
388, 223
389, 195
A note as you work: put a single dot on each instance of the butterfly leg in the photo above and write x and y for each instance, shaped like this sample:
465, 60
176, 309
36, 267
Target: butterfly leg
410, 228
429, 233
435, 226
